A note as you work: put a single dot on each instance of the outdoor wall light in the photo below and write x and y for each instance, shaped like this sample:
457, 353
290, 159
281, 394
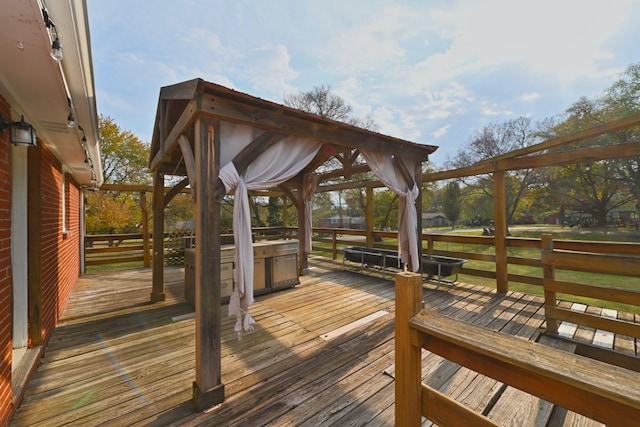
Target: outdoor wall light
22, 133
56, 50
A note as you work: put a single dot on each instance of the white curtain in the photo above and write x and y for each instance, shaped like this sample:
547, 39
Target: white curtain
382, 165
278, 164
309, 185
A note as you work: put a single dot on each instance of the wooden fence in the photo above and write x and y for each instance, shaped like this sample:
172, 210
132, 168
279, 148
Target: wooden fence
105, 249
524, 252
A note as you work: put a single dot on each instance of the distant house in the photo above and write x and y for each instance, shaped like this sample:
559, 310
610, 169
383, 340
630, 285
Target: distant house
49, 106
341, 221
434, 220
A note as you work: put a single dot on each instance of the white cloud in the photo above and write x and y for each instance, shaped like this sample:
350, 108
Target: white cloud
531, 96
375, 39
565, 40
268, 68
492, 110
108, 100
440, 132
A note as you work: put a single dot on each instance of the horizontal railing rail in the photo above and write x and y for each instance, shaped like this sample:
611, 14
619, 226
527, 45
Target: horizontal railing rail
524, 260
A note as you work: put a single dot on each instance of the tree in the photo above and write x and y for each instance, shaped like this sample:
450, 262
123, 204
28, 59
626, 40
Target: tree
623, 98
124, 156
274, 211
451, 203
124, 160
385, 209
603, 186
493, 140
180, 213
112, 212
322, 101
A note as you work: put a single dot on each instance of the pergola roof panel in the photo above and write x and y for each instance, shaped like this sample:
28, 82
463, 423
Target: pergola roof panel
180, 104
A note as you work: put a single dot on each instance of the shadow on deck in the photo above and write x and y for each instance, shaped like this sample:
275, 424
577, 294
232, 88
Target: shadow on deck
322, 354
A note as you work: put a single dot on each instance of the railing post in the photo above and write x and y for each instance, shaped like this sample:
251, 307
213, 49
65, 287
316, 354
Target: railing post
334, 244
548, 273
430, 244
408, 359
144, 212
500, 237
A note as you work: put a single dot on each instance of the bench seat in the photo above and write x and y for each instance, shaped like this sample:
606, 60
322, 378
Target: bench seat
603, 392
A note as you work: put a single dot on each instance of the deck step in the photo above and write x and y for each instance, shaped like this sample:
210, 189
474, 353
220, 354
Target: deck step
605, 338
568, 329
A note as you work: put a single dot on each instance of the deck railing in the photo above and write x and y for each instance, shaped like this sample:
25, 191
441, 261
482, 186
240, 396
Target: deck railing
598, 390
102, 249
524, 260
105, 249
610, 324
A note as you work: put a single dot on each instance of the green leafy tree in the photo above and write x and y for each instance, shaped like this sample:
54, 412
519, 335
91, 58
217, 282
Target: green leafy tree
451, 203
385, 209
623, 98
603, 186
274, 212
180, 213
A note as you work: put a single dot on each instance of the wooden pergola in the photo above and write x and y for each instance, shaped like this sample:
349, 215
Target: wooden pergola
187, 142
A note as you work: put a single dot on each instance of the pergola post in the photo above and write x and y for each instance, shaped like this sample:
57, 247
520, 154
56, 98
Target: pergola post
500, 222
157, 291
285, 218
208, 389
368, 222
303, 262
418, 180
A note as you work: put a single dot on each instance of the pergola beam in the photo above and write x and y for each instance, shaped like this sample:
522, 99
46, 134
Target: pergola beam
514, 160
310, 126
171, 141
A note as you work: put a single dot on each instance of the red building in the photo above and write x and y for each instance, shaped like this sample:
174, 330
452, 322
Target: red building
49, 154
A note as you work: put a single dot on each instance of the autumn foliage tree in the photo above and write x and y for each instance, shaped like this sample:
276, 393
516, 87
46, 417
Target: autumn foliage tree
124, 160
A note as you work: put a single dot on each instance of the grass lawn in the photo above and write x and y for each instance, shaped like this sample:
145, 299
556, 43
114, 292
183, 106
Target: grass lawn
535, 231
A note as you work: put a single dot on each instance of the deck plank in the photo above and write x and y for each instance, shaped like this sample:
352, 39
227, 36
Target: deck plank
118, 360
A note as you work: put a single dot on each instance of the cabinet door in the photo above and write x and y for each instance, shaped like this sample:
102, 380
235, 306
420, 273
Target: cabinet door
284, 271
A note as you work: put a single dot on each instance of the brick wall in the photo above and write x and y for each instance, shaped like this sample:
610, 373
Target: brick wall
6, 325
60, 252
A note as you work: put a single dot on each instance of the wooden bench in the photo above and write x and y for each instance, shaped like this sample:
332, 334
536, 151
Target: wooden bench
603, 392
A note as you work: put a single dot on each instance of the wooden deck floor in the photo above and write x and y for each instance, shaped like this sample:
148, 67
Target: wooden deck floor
322, 354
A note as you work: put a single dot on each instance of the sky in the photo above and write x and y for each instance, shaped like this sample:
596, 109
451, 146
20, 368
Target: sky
428, 71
